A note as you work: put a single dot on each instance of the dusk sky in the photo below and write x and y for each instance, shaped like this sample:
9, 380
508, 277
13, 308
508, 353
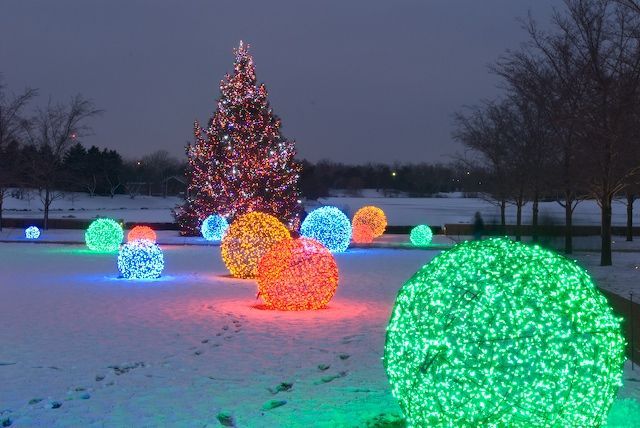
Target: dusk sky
353, 81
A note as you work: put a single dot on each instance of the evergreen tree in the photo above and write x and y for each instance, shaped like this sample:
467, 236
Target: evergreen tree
240, 162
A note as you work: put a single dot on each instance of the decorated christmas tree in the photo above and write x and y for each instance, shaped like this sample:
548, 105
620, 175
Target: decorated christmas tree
240, 162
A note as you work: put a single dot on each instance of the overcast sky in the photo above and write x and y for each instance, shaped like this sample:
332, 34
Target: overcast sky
353, 81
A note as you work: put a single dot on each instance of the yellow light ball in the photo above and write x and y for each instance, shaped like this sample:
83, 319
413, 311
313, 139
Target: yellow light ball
249, 237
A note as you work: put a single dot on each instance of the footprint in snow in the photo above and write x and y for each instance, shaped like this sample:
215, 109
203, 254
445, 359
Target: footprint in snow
344, 356
226, 419
272, 404
330, 378
282, 387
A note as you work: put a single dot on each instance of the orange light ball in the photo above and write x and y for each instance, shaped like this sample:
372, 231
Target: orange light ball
362, 234
370, 216
141, 232
248, 238
297, 275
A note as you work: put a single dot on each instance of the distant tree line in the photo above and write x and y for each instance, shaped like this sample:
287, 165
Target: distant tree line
43, 151
567, 124
411, 179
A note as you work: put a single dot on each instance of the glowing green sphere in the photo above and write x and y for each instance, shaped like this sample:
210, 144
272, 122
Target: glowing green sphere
497, 333
104, 234
421, 235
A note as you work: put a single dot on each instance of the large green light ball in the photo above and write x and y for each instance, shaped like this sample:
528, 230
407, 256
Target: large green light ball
497, 333
421, 235
104, 234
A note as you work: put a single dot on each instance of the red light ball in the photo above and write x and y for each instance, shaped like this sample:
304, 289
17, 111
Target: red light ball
297, 275
141, 232
362, 234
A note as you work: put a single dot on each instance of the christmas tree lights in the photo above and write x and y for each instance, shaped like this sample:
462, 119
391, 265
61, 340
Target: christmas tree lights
372, 217
330, 226
104, 234
249, 237
241, 162
498, 333
214, 227
141, 259
141, 232
297, 275
32, 232
421, 235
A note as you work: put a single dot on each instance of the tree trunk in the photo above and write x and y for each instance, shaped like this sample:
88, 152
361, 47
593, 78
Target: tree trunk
518, 220
47, 202
630, 199
534, 219
1, 204
568, 226
503, 216
605, 233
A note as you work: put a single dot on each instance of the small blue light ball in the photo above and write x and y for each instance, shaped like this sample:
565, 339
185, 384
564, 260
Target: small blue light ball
421, 235
214, 227
140, 259
330, 226
32, 232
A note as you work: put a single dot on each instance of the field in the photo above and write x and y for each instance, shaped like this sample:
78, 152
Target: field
82, 347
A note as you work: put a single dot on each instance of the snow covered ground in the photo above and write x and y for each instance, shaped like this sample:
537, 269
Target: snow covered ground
400, 211
81, 347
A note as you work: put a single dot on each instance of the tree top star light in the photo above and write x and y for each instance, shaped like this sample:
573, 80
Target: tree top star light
498, 333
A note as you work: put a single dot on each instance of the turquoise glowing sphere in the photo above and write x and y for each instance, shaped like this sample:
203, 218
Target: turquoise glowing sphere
104, 234
498, 333
421, 235
140, 259
32, 232
330, 226
214, 227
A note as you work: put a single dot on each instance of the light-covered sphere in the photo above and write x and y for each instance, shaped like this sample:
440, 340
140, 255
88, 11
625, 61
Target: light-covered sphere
104, 234
214, 227
141, 232
421, 235
140, 259
330, 226
499, 333
362, 234
249, 237
370, 216
297, 275
32, 232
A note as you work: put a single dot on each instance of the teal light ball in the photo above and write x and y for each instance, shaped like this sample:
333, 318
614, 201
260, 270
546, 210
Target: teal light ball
104, 235
421, 235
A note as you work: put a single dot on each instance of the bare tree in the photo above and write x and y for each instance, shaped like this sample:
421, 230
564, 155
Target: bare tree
549, 74
606, 35
482, 130
52, 132
11, 133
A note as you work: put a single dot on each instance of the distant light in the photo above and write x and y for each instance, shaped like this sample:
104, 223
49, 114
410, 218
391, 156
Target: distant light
393, 174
